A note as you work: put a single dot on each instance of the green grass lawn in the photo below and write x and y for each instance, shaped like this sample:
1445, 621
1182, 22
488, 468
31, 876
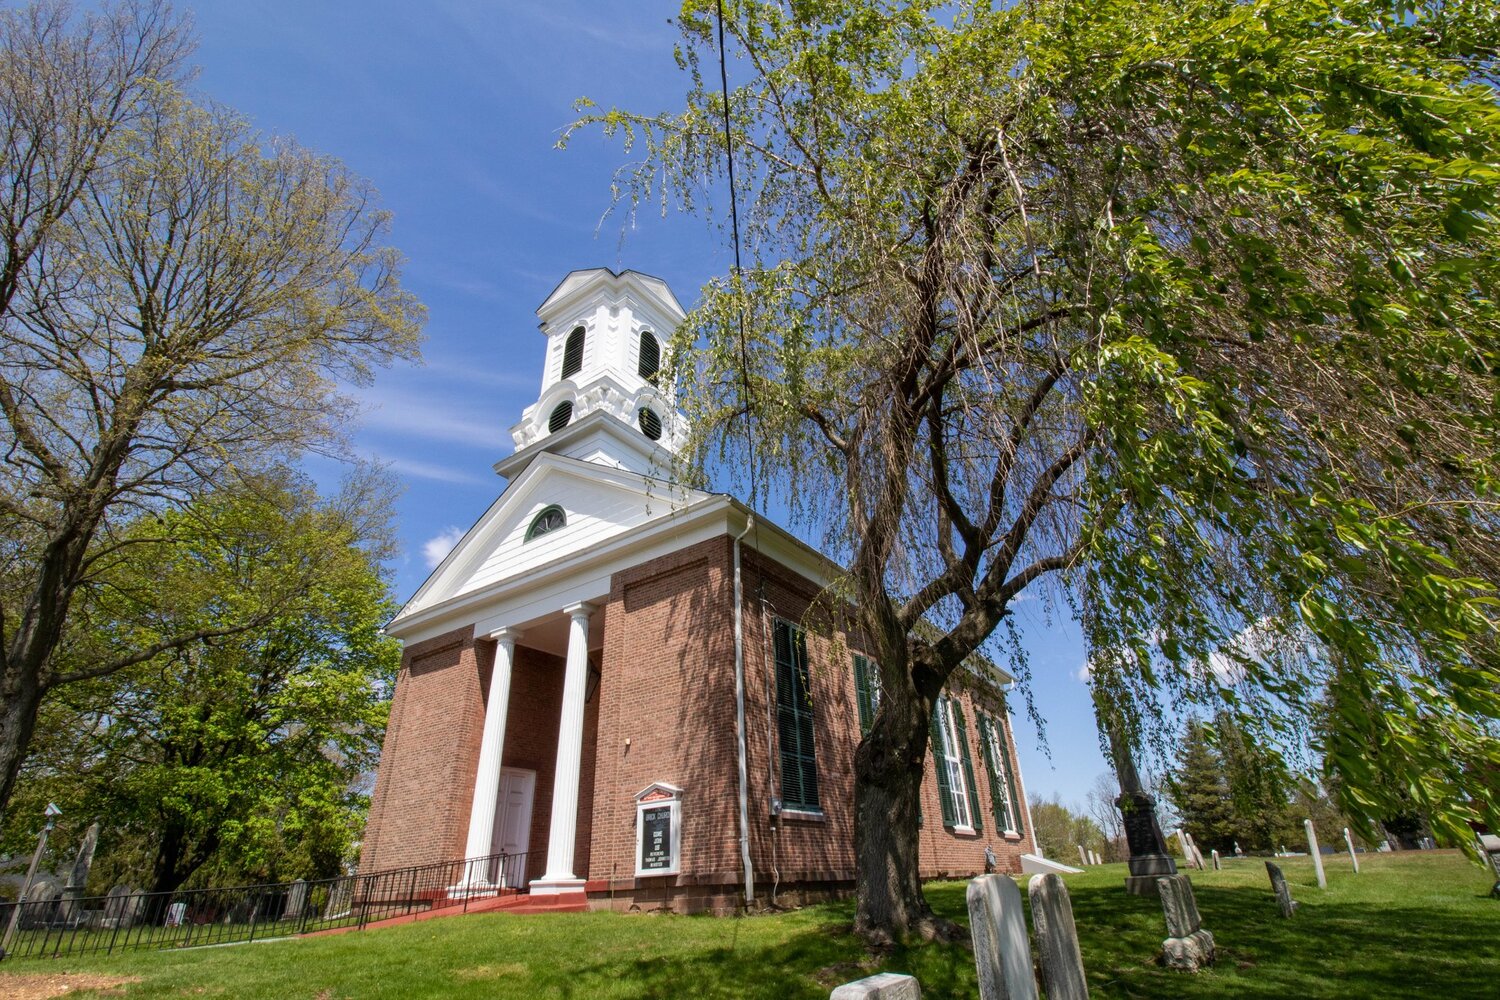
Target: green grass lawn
1411, 925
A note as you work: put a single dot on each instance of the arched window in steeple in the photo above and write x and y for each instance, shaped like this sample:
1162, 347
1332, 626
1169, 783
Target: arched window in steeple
650, 361
573, 353
562, 413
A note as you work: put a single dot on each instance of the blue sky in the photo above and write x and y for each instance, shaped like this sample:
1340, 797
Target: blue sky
453, 110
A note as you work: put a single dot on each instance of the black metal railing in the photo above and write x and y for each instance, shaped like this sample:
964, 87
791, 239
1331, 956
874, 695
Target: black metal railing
187, 918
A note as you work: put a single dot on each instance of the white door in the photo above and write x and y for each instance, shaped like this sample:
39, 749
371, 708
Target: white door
513, 823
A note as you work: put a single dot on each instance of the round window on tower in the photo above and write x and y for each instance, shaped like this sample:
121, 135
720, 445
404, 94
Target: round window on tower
650, 423
562, 413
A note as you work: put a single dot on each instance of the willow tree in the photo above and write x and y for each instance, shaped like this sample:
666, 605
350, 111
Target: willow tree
179, 299
1183, 310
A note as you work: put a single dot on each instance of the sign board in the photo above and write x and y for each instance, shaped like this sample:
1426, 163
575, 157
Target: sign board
658, 830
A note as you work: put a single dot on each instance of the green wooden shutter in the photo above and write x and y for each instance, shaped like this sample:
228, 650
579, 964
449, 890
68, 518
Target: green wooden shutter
794, 720
945, 788
963, 741
998, 802
862, 693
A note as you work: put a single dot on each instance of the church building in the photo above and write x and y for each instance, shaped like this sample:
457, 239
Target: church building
616, 681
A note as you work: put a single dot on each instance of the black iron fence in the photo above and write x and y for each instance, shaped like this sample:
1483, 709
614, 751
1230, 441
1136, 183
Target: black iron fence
188, 918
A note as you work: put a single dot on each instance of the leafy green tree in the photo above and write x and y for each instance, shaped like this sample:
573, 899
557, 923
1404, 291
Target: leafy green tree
179, 298
1183, 309
1060, 831
1200, 790
242, 756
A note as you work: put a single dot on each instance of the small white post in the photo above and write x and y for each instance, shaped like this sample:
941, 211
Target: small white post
1312, 848
1352, 856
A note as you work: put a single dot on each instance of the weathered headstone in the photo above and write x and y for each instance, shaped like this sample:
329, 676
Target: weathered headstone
296, 899
1093, 857
1312, 848
1284, 898
1187, 852
1489, 844
1215, 856
135, 906
176, 914
1057, 939
1083, 857
1002, 953
1237, 852
884, 986
117, 906
1188, 946
1349, 842
78, 876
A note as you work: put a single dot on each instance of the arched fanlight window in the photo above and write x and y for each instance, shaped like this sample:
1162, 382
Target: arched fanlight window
650, 362
561, 414
573, 353
550, 519
650, 423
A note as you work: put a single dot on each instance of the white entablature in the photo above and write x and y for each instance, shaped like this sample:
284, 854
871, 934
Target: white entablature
606, 338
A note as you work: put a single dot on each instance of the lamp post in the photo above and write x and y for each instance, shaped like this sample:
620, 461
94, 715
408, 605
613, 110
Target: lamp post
50, 815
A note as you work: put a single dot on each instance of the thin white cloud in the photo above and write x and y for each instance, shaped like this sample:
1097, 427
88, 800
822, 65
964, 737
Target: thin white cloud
433, 471
424, 418
1084, 672
436, 548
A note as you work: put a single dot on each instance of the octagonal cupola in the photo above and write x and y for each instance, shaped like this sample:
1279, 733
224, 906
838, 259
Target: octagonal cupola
602, 396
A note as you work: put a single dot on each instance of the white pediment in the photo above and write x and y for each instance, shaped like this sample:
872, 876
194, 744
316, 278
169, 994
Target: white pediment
599, 503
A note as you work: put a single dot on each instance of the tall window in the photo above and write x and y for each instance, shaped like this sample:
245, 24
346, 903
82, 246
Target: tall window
955, 771
1001, 773
650, 361
866, 691
794, 720
573, 353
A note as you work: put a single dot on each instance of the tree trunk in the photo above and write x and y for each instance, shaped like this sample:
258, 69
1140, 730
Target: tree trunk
888, 778
20, 698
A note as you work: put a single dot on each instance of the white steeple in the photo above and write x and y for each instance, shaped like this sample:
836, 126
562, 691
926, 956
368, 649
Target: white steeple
600, 401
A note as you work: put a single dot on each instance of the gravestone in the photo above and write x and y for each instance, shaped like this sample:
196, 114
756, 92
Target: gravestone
1215, 855
1312, 848
176, 914
1489, 844
1083, 857
296, 899
340, 899
1237, 852
1349, 842
78, 876
884, 986
1002, 953
1284, 898
1188, 946
1093, 857
43, 902
117, 906
1057, 939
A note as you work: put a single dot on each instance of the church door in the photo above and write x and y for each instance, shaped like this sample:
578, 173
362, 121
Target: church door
513, 823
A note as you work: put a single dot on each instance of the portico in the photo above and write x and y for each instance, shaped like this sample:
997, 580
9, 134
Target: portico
580, 626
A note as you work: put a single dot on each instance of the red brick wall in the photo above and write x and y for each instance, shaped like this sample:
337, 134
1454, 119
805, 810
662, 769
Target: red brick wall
431, 749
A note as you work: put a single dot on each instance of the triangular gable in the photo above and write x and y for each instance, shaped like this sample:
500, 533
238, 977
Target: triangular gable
598, 501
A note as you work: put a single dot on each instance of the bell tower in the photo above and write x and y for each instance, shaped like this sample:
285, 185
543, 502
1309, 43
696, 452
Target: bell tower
602, 395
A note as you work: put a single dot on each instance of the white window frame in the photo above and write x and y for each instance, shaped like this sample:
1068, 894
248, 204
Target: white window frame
1001, 778
958, 788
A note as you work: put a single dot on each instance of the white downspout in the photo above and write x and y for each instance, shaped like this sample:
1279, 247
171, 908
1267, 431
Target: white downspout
739, 717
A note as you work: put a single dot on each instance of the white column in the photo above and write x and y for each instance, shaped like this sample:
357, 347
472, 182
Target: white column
491, 747
560, 877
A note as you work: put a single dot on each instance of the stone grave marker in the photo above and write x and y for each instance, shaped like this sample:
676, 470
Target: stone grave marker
1349, 842
1214, 854
1312, 848
883, 986
1284, 898
1083, 858
78, 876
1489, 844
176, 914
1002, 952
1188, 946
117, 906
296, 899
1057, 939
